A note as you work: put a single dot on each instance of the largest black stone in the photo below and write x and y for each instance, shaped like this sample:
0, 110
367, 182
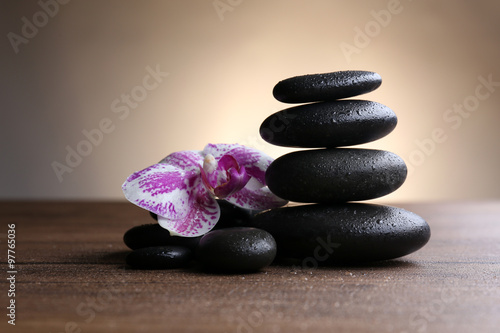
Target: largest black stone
329, 124
350, 232
335, 175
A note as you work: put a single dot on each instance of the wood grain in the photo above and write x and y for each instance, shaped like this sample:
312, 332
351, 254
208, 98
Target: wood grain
72, 278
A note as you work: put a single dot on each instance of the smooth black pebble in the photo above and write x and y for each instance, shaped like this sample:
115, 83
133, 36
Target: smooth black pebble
236, 249
159, 257
326, 86
350, 232
335, 175
329, 124
153, 234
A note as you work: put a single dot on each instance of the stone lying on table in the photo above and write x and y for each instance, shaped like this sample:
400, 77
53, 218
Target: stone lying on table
326, 86
335, 175
236, 249
349, 232
159, 257
329, 124
153, 234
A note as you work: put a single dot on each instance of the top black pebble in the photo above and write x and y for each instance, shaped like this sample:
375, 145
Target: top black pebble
326, 87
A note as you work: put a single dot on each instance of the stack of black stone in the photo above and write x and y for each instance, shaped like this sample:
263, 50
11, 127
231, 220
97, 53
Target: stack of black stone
334, 229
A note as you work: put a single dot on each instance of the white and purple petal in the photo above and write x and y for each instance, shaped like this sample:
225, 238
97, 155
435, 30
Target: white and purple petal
188, 160
162, 189
203, 215
220, 149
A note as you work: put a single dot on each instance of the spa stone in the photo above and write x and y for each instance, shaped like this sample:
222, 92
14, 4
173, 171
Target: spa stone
236, 249
340, 233
329, 124
326, 86
335, 175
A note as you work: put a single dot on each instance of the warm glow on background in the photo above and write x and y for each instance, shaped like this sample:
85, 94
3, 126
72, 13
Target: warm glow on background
73, 73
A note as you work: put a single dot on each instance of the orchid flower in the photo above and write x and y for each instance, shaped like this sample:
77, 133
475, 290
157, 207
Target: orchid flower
183, 187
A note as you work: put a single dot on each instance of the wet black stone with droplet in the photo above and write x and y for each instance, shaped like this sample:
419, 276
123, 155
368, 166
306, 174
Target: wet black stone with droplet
159, 257
335, 175
153, 234
326, 86
350, 232
236, 249
329, 124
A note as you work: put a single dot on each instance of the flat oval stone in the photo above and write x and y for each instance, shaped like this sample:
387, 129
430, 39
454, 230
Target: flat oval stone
148, 235
326, 86
350, 232
236, 249
335, 175
159, 257
329, 124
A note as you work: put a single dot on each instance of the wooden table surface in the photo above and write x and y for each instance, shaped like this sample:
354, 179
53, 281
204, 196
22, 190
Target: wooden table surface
71, 277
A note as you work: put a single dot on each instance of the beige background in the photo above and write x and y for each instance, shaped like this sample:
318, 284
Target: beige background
222, 68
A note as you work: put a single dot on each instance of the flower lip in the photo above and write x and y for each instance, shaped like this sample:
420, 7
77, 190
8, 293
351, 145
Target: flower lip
224, 177
237, 179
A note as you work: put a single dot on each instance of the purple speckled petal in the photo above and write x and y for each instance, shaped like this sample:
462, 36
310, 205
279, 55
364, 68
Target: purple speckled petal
162, 189
188, 160
203, 215
219, 149
255, 196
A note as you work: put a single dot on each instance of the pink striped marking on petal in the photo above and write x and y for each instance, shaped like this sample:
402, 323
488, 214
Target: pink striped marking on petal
188, 160
219, 149
204, 213
162, 189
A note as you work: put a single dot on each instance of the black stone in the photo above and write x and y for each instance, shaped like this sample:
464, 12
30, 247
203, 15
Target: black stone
159, 257
350, 232
236, 249
326, 86
335, 175
148, 235
329, 124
